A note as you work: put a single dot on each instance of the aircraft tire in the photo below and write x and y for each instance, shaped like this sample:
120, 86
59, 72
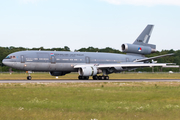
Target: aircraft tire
80, 77
103, 78
95, 77
106, 77
86, 78
99, 77
29, 77
83, 77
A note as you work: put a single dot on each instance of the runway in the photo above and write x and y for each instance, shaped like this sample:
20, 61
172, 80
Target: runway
89, 81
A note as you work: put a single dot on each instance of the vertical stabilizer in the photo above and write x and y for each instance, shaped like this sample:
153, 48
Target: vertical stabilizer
144, 37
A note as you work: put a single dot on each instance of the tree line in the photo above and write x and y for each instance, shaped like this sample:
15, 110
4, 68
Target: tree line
4, 51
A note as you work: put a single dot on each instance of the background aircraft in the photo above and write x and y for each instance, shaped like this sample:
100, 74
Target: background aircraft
87, 64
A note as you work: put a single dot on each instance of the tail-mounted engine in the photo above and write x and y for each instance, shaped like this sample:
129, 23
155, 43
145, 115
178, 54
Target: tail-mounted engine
137, 49
88, 71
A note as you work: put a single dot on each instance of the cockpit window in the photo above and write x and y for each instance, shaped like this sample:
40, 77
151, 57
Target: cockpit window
10, 57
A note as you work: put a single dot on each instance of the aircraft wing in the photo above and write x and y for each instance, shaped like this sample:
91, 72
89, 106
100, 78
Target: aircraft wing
151, 58
135, 64
130, 65
123, 65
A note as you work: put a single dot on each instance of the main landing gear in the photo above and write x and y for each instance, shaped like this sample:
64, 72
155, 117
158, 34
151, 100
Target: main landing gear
100, 77
103, 77
94, 77
83, 77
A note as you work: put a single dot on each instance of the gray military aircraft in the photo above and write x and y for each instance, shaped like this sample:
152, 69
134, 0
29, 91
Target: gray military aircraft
87, 64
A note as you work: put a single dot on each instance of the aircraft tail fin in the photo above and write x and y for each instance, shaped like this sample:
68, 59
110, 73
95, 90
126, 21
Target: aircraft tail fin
144, 37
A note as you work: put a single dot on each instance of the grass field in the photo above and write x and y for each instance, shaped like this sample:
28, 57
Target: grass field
90, 101
44, 76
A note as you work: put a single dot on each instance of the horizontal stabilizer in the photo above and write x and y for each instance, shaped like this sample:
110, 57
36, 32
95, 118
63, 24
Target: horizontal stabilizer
151, 58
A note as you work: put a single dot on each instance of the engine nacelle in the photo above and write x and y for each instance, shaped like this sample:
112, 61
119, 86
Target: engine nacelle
54, 73
137, 49
87, 71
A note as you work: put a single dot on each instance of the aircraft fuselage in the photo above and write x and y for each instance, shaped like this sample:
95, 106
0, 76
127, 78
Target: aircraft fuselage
62, 61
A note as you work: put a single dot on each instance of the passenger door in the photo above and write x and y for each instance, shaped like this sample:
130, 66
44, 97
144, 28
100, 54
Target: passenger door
22, 59
127, 59
87, 60
53, 60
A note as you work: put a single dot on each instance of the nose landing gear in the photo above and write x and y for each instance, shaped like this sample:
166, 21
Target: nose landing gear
29, 77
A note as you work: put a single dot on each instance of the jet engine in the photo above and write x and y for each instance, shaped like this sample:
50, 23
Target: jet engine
137, 49
54, 73
88, 71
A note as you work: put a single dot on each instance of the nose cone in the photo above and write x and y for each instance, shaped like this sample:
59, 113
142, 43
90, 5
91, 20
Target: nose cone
7, 62
3, 61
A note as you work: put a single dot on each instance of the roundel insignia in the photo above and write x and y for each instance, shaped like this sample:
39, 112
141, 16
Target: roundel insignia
139, 49
52, 54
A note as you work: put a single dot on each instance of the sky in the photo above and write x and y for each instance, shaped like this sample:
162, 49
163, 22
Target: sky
85, 23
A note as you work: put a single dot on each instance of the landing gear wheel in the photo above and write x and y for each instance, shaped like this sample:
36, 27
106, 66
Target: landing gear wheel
99, 78
95, 77
86, 78
80, 77
106, 77
83, 77
29, 77
102, 77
